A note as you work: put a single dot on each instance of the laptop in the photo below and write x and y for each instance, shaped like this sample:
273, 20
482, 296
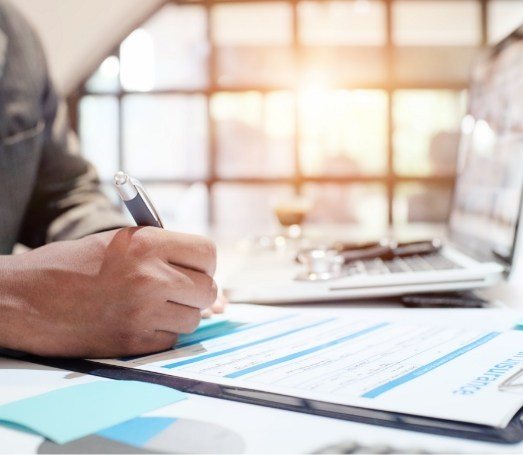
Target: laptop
483, 224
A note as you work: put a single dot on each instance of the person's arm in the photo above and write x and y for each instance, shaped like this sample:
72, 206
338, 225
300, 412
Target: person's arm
67, 202
123, 292
118, 292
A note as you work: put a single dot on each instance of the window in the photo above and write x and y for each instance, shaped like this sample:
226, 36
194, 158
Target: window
340, 23
254, 134
165, 136
224, 108
343, 132
436, 23
425, 139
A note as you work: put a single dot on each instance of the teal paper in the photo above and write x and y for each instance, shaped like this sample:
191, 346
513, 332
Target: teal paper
208, 329
137, 432
73, 412
211, 322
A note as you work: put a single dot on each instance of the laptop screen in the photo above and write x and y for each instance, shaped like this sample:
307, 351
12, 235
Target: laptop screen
487, 199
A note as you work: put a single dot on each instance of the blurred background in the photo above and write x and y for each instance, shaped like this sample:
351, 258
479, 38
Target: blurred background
222, 108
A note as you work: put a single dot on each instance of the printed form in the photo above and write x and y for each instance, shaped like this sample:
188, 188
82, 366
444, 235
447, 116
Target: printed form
428, 370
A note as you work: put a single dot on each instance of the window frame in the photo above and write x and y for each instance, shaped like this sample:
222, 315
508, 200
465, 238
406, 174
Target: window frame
390, 180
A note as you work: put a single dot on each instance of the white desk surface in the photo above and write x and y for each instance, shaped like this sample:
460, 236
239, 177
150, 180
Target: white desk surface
266, 430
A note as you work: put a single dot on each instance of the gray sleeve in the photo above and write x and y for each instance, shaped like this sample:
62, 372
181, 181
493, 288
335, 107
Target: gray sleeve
67, 202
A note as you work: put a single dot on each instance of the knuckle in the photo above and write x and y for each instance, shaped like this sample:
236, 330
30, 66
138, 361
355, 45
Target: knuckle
143, 240
162, 344
129, 327
181, 280
147, 231
212, 250
214, 291
194, 320
144, 277
140, 245
213, 253
136, 318
211, 293
209, 252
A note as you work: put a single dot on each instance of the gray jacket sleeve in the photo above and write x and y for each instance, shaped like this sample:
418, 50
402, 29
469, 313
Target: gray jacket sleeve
67, 202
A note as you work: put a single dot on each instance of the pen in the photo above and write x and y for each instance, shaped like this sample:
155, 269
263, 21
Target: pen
137, 201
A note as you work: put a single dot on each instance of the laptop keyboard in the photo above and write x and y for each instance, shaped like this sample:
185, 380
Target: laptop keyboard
416, 263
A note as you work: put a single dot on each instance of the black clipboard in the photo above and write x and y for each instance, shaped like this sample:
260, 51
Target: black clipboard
511, 434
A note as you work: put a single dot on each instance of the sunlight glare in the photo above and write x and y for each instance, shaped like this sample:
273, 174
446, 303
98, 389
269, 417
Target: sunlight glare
137, 65
110, 67
483, 138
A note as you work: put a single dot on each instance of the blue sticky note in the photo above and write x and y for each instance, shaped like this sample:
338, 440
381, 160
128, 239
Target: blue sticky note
73, 412
137, 432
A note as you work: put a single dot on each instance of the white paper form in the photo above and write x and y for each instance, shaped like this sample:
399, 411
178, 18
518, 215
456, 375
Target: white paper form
428, 370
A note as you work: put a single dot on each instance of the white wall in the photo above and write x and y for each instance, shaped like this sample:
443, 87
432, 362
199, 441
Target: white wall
77, 34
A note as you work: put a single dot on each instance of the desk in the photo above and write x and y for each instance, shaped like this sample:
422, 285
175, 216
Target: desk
265, 430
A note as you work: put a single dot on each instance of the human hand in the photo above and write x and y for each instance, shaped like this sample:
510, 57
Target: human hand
123, 292
217, 307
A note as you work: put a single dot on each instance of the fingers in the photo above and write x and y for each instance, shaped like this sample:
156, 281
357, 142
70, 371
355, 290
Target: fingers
176, 318
159, 341
139, 342
193, 252
186, 250
188, 287
154, 328
219, 305
207, 313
